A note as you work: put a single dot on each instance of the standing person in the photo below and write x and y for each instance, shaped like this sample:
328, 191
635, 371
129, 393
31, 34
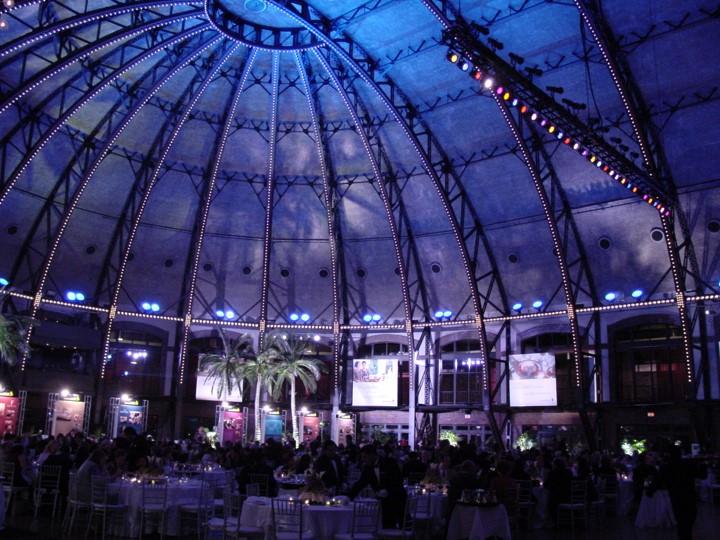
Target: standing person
384, 476
678, 476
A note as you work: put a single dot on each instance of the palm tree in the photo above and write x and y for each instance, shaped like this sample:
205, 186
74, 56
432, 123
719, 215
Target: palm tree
226, 368
13, 330
256, 370
289, 365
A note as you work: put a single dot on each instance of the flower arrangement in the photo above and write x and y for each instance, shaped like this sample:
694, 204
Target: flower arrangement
314, 490
432, 477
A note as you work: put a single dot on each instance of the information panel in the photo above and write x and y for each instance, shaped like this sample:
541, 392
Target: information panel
130, 415
68, 415
9, 412
532, 380
274, 425
232, 422
375, 383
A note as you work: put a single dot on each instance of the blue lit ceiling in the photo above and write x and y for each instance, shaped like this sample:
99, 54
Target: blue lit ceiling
325, 157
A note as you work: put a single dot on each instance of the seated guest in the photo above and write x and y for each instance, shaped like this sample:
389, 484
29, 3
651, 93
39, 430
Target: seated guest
329, 466
503, 486
558, 484
95, 465
414, 470
465, 479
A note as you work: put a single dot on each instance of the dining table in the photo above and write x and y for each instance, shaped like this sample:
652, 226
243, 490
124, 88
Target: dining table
323, 520
129, 491
478, 521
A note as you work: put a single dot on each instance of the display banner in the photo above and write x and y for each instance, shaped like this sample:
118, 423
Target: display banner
68, 414
273, 425
532, 380
9, 412
309, 427
375, 383
130, 414
232, 426
346, 426
206, 388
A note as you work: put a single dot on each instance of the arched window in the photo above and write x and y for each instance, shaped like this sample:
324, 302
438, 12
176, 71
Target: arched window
649, 363
461, 373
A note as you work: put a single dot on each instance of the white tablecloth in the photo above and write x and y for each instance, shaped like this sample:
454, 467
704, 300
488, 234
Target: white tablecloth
323, 521
477, 523
655, 511
130, 494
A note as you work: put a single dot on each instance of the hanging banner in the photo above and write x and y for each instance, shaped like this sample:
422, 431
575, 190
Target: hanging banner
346, 427
532, 380
130, 415
232, 422
68, 415
9, 412
375, 383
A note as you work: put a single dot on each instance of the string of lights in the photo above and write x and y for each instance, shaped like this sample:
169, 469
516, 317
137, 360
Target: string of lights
497, 77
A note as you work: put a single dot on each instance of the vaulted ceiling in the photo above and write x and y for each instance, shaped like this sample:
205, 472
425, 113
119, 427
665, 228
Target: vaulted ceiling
325, 157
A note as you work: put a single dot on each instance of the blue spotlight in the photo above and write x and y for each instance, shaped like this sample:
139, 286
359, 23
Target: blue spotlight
71, 296
145, 306
537, 304
517, 306
438, 314
80, 297
229, 314
304, 317
3, 282
447, 314
220, 314
610, 297
155, 307
637, 293
294, 317
376, 318
367, 318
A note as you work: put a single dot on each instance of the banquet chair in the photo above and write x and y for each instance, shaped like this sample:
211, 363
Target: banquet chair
422, 514
75, 509
48, 486
597, 509
365, 518
154, 505
608, 483
287, 520
233, 529
195, 514
263, 481
576, 509
252, 490
12, 491
525, 503
102, 508
407, 529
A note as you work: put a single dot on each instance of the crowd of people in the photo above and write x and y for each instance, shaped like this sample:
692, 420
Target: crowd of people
387, 469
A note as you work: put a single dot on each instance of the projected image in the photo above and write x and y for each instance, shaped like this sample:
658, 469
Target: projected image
375, 382
532, 380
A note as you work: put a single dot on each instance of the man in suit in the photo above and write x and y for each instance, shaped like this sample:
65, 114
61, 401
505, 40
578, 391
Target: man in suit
329, 464
384, 476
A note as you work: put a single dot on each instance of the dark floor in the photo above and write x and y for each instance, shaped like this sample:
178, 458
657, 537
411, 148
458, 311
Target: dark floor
24, 525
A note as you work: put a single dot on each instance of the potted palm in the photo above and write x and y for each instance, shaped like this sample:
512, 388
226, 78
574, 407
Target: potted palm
226, 368
13, 331
288, 365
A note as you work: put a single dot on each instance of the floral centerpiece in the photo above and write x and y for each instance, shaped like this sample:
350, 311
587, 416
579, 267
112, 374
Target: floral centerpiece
433, 480
314, 491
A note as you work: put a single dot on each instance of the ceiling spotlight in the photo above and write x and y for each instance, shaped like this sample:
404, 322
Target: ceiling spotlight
220, 313
367, 317
534, 71
3, 23
464, 65
517, 307
304, 317
438, 314
479, 28
611, 296
452, 56
447, 314
294, 317
145, 306
495, 44
229, 314
376, 318
3, 282
476, 73
8, 3
516, 59
555, 89
155, 307
537, 304
489, 82
637, 293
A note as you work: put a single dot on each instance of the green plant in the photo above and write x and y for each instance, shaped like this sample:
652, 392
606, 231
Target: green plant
630, 446
225, 369
525, 441
450, 436
383, 437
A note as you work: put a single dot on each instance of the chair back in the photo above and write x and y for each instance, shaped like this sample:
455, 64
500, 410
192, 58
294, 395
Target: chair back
287, 516
49, 478
263, 482
8, 474
578, 492
154, 495
73, 487
365, 517
609, 484
524, 491
421, 508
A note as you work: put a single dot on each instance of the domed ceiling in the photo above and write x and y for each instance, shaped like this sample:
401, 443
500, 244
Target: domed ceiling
269, 158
